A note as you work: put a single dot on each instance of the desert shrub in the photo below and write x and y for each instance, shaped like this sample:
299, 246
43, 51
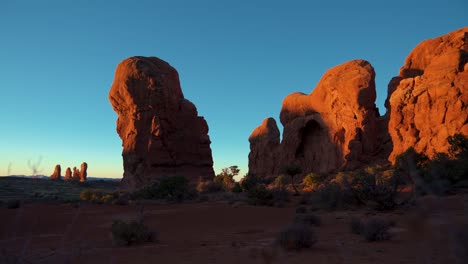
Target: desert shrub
107, 198
249, 181
332, 196
376, 229
292, 170
313, 180
13, 204
124, 233
260, 195
308, 219
86, 195
237, 188
280, 182
207, 187
174, 188
296, 237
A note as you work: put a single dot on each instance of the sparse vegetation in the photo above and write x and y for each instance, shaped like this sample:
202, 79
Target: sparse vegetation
313, 180
296, 237
292, 170
249, 181
260, 195
225, 180
134, 232
174, 188
372, 229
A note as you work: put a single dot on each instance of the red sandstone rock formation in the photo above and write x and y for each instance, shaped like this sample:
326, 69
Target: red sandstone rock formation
57, 175
83, 172
335, 126
68, 174
161, 132
76, 174
428, 100
338, 127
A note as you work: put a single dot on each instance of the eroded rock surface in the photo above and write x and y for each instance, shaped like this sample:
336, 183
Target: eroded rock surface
68, 174
57, 174
83, 172
161, 132
428, 100
335, 126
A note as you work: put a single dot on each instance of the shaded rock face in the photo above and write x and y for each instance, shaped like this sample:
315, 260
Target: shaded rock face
83, 172
161, 132
57, 175
68, 174
336, 126
428, 101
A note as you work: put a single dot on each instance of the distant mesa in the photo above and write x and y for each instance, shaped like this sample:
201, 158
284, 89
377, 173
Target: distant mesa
161, 132
337, 126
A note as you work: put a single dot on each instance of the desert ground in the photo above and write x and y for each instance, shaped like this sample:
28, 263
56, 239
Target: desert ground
223, 230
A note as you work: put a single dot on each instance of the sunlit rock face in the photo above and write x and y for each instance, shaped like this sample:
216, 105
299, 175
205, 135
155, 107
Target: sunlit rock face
57, 174
161, 132
336, 126
428, 101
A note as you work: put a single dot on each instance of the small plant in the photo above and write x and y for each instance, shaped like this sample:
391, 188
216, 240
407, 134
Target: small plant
237, 188
249, 181
376, 229
13, 204
280, 182
332, 196
124, 233
292, 170
260, 195
107, 198
296, 237
312, 180
308, 219
86, 195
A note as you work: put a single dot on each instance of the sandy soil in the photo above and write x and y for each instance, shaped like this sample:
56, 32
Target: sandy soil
216, 232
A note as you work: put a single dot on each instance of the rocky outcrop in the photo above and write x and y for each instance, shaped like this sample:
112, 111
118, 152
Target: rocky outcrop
161, 132
83, 172
336, 126
428, 100
76, 174
68, 174
57, 175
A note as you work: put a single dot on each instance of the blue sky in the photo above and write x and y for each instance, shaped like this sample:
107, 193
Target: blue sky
237, 60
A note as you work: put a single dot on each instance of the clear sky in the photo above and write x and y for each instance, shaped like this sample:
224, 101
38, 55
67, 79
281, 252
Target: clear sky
237, 60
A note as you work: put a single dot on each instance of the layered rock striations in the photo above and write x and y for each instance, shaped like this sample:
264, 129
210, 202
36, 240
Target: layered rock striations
337, 125
161, 132
428, 101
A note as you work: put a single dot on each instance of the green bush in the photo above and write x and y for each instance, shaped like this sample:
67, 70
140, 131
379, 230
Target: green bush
207, 187
124, 233
260, 195
174, 188
249, 182
280, 182
313, 180
86, 195
237, 188
296, 237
